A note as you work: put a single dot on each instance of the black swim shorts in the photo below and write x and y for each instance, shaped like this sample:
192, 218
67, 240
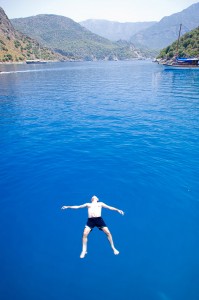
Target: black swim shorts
98, 222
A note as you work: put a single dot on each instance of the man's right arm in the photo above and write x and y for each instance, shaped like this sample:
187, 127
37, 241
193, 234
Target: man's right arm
75, 206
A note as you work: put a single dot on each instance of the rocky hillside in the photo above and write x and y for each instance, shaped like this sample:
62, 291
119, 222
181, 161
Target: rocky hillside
188, 46
71, 39
115, 31
17, 47
165, 32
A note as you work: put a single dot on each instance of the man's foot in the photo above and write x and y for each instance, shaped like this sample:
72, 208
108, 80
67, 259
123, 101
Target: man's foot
116, 252
82, 255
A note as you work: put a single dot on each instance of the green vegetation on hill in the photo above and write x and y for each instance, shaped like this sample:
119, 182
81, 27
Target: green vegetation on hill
23, 48
188, 46
69, 38
17, 47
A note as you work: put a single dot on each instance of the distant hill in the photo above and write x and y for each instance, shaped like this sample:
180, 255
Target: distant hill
188, 46
17, 47
115, 31
69, 38
165, 32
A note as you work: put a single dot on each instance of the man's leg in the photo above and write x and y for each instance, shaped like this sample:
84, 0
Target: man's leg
84, 241
109, 236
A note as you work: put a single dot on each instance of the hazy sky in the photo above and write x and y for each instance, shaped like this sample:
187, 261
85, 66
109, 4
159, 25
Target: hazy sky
80, 10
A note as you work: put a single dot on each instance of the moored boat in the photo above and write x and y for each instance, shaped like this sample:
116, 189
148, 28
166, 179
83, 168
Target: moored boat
183, 63
36, 61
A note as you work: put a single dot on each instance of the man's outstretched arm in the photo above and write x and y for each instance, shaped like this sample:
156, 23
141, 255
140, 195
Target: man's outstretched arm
112, 208
74, 206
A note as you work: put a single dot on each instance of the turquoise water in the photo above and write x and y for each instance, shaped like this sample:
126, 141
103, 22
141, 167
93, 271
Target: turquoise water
124, 131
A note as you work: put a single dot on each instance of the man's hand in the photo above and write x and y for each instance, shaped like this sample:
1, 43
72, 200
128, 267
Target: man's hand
64, 207
121, 212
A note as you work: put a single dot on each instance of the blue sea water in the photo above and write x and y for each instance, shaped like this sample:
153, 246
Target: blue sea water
127, 132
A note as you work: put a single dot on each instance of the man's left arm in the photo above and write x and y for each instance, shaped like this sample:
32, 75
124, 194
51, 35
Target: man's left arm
112, 208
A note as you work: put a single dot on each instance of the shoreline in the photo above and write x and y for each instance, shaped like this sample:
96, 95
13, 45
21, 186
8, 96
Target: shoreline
72, 60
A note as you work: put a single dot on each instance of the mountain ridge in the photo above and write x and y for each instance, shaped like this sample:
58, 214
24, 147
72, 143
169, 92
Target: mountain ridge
165, 31
114, 30
69, 38
72, 41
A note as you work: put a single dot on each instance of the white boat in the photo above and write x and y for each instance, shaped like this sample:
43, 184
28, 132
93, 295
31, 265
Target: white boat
36, 61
